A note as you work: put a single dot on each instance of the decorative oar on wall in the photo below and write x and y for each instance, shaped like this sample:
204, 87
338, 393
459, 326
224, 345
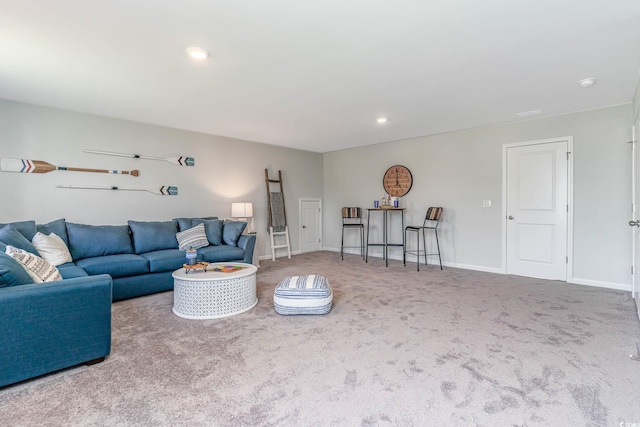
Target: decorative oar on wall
181, 160
165, 190
38, 166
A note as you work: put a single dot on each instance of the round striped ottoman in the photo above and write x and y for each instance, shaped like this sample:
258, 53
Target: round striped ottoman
309, 294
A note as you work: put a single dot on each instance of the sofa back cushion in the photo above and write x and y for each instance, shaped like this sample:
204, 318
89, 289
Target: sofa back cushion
213, 229
153, 236
12, 237
187, 223
12, 273
86, 241
26, 228
59, 227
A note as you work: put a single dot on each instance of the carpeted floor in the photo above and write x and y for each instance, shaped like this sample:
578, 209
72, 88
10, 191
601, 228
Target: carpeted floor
399, 348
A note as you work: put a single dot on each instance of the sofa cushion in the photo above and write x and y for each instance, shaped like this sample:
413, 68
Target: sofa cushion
11, 236
71, 271
59, 226
52, 248
38, 268
153, 236
26, 228
221, 253
193, 238
121, 265
11, 272
231, 232
87, 241
187, 223
165, 260
213, 229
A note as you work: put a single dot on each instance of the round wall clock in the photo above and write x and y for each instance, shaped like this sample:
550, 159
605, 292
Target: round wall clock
397, 180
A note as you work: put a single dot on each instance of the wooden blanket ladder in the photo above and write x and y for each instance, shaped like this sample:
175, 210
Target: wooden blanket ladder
278, 228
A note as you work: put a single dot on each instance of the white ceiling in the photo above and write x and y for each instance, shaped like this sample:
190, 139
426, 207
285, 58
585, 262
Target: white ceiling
316, 75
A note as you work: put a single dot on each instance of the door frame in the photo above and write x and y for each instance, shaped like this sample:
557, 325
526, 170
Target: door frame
634, 212
505, 147
300, 234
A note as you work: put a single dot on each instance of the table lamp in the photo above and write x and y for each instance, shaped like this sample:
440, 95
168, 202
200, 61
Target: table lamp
243, 211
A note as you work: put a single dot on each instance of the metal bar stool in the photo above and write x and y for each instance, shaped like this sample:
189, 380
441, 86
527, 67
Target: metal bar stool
352, 219
431, 221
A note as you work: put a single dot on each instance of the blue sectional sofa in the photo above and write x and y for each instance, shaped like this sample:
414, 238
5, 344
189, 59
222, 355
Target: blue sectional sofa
49, 326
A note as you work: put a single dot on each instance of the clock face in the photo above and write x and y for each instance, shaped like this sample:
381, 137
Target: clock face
397, 181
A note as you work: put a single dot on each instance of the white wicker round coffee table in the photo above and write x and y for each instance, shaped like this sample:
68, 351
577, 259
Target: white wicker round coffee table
213, 294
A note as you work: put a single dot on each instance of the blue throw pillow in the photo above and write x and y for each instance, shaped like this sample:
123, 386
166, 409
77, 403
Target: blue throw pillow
153, 236
11, 236
86, 241
213, 228
231, 232
59, 227
12, 273
26, 228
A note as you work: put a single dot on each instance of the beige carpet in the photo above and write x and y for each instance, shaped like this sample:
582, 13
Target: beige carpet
399, 348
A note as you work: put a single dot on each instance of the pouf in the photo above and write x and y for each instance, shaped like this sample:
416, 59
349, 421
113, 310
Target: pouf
309, 294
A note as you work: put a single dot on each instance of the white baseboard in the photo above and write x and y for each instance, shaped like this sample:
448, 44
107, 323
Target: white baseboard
575, 280
266, 257
473, 267
433, 260
599, 284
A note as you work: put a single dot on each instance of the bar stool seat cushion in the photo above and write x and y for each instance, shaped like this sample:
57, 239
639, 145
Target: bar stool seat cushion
308, 294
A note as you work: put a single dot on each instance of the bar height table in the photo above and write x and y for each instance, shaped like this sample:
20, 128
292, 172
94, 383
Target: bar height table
385, 243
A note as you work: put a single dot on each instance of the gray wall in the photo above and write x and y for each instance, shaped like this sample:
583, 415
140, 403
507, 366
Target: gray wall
459, 170
636, 103
227, 170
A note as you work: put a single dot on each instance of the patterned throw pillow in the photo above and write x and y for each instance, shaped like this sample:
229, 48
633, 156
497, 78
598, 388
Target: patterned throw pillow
52, 248
39, 269
194, 237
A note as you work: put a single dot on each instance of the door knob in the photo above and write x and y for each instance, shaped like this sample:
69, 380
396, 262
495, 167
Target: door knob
304, 226
510, 216
634, 223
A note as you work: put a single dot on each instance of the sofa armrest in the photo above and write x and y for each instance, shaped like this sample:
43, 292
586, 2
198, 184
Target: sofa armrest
45, 327
248, 243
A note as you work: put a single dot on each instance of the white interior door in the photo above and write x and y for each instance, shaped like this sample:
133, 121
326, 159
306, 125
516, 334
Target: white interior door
537, 210
311, 230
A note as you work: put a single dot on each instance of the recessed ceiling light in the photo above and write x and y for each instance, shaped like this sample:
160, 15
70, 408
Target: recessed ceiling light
529, 113
381, 120
587, 82
197, 53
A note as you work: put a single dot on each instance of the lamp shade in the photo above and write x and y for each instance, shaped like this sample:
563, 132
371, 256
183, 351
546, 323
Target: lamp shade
242, 210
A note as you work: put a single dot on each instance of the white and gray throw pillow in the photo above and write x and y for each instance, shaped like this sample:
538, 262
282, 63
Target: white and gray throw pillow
194, 238
38, 269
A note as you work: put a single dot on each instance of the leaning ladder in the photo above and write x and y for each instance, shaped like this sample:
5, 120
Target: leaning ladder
277, 215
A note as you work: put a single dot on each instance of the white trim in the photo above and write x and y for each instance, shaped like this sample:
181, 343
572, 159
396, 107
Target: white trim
634, 213
310, 199
573, 281
569, 140
280, 256
473, 267
599, 284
